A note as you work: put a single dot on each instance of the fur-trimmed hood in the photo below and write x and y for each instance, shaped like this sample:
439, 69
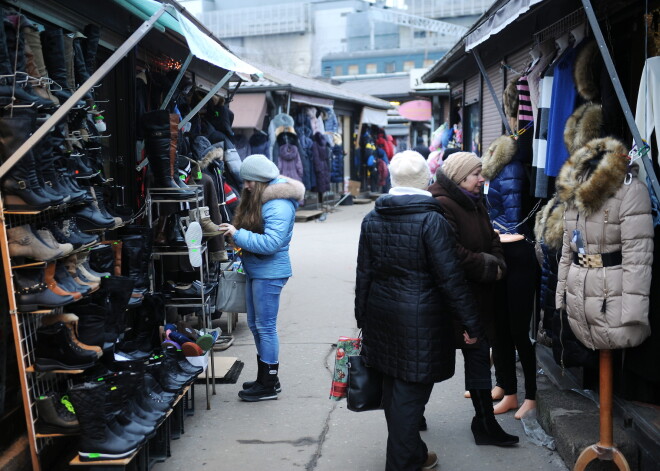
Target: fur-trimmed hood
586, 71
445, 186
498, 155
284, 188
577, 184
549, 227
215, 153
582, 126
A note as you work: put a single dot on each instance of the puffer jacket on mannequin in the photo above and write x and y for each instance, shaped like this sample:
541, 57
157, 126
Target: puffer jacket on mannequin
605, 269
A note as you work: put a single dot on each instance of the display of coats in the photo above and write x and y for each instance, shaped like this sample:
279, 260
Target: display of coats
321, 159
605, 269
289, 162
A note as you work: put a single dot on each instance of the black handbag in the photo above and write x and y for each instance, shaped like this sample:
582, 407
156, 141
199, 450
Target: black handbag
365, 386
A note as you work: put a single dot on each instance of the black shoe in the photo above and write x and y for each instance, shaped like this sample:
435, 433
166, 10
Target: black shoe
264, 388
485, 428
56, 415
56, 350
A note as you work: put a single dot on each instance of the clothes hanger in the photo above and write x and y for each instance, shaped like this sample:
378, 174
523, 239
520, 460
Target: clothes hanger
578, 33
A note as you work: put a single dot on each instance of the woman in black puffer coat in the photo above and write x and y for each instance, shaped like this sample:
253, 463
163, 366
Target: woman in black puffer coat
409, 287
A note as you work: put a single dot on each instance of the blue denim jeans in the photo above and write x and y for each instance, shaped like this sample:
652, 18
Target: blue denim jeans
263, 302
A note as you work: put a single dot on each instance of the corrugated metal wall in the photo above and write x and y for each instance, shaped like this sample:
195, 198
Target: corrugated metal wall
491, 126
472, 89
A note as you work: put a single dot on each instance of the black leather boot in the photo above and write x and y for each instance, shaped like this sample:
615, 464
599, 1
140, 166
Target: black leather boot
157, 142
56, 350
136, 250
260, 366
264, 388
97, 441
52, 42
485, 428
32, 293
90, 45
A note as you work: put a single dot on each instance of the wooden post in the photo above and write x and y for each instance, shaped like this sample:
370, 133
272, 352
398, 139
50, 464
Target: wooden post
604, 450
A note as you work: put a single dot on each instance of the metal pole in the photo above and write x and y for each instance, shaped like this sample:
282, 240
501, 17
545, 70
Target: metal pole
96, 77
616, 83
203, 101
492, 91
177, 80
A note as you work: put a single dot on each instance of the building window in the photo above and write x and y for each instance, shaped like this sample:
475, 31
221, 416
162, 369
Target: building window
407, 65
419, 34
353, 69
339, 70
428, 62
372, 68
390, 67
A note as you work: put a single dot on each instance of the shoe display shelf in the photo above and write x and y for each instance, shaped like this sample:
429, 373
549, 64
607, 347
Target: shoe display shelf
204, 302
154, 450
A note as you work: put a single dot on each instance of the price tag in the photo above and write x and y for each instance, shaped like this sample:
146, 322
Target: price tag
486, 187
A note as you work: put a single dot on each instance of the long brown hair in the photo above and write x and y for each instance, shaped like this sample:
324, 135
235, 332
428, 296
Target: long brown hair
248, 213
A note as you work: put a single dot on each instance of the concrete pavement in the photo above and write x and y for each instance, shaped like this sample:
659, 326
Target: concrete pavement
304, 429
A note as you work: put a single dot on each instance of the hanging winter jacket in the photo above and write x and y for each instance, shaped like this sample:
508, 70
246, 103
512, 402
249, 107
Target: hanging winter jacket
321, 159
259, 144
289, 162
331, 123
337, 164
605, 269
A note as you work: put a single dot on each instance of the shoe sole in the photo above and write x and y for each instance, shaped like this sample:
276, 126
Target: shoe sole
104, 456
205, 342
257, 398
194, 243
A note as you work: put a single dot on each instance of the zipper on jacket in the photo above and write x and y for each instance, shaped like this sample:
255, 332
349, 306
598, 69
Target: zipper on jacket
561, 341
603, 309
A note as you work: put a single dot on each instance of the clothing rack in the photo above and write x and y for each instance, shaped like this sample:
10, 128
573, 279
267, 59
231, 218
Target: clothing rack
560, 27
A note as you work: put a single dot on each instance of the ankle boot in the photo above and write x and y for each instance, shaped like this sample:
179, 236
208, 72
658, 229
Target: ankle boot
45, 236
56, 350
20, 187
97, 442
49, 279
41, 168
71, 266
485, 428
71, 322
56, 414
100, 203
260, 366
157, 144
264, 388
203, 216
83, 260
64, 279
23, 242
32, 293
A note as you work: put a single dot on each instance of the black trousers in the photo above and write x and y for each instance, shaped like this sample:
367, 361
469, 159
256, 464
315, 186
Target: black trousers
404, 405
477, 366
514, 306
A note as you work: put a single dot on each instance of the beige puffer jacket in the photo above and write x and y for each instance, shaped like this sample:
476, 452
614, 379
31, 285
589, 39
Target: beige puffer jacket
608, 306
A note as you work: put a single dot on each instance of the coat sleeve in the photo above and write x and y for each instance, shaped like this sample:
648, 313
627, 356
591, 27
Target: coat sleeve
278, 215
363, 278
511, 187
562, 271
637, 252
441, 248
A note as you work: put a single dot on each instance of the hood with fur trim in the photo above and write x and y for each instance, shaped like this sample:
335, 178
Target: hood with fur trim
549, 227
284, 188
582, 126
216, 153
593, 174
498, 155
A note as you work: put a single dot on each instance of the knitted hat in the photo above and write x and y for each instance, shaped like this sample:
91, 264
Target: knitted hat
459, 165
409, 169
257, 168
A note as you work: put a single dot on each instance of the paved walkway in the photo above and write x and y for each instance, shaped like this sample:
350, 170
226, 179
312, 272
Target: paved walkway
303, 429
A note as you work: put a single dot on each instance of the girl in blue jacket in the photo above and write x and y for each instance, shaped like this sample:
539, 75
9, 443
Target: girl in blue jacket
262, 228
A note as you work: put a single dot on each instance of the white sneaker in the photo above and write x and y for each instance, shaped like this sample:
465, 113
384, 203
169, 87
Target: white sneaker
194, 242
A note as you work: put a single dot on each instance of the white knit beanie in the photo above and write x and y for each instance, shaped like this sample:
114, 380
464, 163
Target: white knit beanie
409, 169
258, 168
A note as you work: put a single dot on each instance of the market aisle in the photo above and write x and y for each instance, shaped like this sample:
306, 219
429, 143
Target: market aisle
303, 429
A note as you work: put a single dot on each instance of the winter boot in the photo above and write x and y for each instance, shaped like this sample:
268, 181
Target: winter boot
91, 324
157, 144
52, 43
56, 415
97, 441
46, 237
49, 279
67, 283
34, 62
56, 350
31, 292
485, 428
80, 68
260, 367
71, 322
136, 251
20, 187
203, 217
90, 45
23, 242
264, 388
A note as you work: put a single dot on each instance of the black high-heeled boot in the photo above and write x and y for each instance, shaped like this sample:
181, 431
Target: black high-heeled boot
485, 428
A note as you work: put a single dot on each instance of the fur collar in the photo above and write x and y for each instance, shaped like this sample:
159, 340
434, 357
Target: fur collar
445, 187
284, 188
549, 227
498, 155
586, 72
582, 126
586, 189
216, 153
510, 99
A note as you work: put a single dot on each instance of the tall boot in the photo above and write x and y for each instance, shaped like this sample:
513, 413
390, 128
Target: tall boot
157, 144
80, 68
260, 367
20, 186
136, 249
485, 428
264, 388
34, 62
97, 441
90, 45
52, 42
40, 167
174, 144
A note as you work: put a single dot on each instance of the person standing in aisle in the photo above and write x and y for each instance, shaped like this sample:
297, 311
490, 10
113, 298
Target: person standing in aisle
409, 286
458, 189
262, 228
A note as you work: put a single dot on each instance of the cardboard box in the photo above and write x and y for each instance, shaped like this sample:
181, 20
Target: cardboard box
354, 187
